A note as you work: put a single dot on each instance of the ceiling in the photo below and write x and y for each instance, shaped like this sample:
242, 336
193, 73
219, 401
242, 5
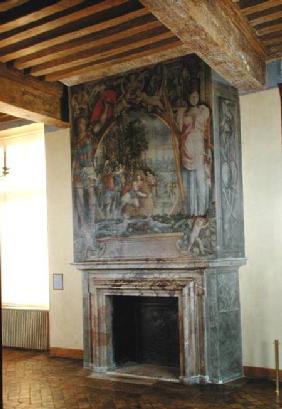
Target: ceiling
265, 17
73, 41
59, 40
65, 40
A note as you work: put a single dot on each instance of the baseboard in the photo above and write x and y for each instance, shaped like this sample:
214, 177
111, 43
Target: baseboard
66, 353
260, 373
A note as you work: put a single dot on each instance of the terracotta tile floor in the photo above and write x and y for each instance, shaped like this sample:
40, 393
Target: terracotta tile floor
34, 381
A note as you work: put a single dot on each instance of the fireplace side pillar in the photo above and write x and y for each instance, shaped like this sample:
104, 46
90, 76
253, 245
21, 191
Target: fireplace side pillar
102, 331
87, 336
223, 325
97, 327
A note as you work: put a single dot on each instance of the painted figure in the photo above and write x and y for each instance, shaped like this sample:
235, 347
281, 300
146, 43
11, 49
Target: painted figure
131, 199
103, 109
195, 149
84, 175
199, 223
147, 202
109, 189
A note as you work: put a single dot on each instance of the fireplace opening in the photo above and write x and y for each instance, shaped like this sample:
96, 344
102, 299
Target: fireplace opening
146, 335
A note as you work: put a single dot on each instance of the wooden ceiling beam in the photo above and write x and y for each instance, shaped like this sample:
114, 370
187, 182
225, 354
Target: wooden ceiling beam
98, 53
122, 56
277, 40
25, 97
7, 5
120, 65
6, 118
6, 56
59, 22
38, 15
275, 57
101, 38
266, 18
265, 5
219, 34
275, 50
269, 29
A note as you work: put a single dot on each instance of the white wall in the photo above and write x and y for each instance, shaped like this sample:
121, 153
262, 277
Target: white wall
65, 305
261, 279
23, 219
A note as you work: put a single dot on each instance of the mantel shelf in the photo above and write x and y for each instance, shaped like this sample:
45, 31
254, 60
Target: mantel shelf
184, 264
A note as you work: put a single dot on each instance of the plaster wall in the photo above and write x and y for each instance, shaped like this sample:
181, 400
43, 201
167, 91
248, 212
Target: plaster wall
65, 305
261, 278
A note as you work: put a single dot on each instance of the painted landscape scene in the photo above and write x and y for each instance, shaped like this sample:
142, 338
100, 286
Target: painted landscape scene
141, 164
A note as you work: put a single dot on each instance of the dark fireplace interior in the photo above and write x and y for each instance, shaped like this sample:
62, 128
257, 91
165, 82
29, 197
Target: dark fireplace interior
145, 331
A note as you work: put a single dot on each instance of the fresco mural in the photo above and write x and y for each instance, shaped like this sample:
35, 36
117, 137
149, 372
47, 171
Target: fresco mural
142, 159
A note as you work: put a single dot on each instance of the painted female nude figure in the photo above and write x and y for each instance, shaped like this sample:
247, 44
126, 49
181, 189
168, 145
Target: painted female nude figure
195, 151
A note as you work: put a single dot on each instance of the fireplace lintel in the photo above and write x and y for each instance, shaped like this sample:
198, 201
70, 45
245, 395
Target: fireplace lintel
112, 265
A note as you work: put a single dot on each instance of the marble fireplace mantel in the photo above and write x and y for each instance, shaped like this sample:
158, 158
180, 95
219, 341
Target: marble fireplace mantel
166, 264
209, 313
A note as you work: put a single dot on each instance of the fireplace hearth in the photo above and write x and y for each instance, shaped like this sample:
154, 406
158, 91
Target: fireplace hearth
146, 334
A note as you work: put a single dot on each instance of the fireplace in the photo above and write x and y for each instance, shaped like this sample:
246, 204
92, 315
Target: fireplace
146, 335
158, 222
201, 303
